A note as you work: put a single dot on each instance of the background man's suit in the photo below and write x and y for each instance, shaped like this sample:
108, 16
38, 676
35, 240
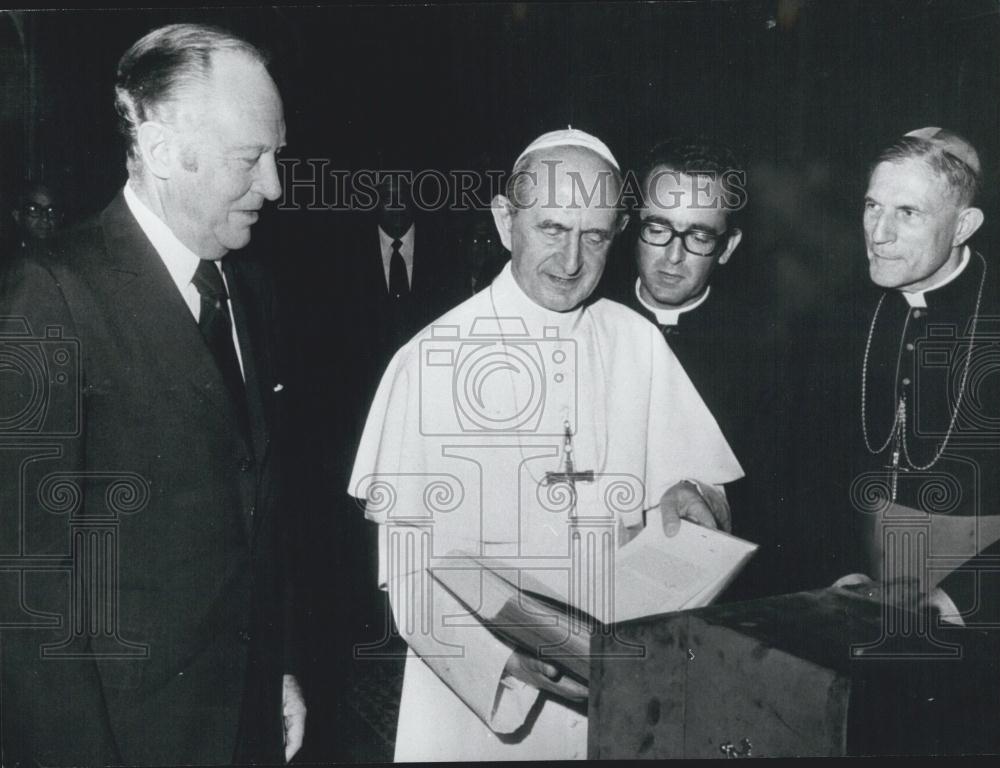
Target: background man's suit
200, 567
388, 323
349, 332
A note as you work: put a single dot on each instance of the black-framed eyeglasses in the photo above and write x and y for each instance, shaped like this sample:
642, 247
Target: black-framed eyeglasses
696, 241
37, 211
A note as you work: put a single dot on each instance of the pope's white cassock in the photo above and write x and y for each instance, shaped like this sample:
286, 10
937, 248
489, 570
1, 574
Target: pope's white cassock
468, 418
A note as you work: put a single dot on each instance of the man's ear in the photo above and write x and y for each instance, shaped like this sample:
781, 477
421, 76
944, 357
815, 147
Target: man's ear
969, 221
156, 147
503, 215
735, 236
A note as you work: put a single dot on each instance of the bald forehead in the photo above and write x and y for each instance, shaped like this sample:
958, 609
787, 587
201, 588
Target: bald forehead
915, 177
232, 76
239, 95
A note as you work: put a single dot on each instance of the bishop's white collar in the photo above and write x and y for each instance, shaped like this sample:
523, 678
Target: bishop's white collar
669, 316
917, 299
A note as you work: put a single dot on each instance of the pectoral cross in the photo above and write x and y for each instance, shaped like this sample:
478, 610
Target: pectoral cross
897, 443
568, 474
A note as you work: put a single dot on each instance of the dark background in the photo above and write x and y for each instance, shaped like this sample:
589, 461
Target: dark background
808, 90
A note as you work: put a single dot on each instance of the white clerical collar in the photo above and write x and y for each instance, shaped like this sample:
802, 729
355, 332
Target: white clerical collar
181, 262
918, 300
669, 316
510, 300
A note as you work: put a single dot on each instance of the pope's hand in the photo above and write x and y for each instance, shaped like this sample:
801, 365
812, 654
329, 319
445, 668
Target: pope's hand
704, 505
544, 676
293, 714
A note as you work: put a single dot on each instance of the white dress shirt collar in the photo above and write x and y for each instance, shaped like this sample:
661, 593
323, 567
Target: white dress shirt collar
669, 316
181, 262
405, 250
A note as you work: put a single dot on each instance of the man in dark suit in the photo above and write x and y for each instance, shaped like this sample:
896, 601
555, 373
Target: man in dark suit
692, 193
180, 650
400, 275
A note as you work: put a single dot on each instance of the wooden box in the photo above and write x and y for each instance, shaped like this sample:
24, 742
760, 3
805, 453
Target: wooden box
821, 673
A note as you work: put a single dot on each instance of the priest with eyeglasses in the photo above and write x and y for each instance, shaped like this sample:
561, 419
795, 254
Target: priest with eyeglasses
688, 228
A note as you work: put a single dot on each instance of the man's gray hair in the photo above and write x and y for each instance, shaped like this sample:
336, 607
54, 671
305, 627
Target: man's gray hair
154, 72
963, 180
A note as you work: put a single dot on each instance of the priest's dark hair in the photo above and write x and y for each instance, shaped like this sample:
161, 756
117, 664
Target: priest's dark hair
962, 178
701, 156
156, 70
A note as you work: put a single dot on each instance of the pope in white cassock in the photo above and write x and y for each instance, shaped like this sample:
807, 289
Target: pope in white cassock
473, 419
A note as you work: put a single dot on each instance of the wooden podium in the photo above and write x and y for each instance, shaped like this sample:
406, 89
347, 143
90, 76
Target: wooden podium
821, 673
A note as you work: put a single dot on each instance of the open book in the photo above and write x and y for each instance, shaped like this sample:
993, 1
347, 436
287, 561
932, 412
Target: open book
552, 608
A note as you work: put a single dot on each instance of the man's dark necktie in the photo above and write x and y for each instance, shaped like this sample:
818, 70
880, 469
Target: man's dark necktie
216, 327
399, 286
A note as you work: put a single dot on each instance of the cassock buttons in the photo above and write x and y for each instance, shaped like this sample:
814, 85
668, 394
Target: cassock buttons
917, 313
909, 346
906, 382
246, 464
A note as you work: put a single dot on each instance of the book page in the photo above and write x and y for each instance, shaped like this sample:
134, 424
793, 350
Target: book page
656, 574
652, 574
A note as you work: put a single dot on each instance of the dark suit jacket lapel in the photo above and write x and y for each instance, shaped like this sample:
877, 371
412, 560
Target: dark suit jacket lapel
150, 305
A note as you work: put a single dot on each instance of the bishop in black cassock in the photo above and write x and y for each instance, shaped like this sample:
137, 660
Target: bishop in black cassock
909, 442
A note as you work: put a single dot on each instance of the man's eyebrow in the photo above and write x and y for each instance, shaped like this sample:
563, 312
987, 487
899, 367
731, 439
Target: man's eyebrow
552, 223
693, 228
917, 207
657, 220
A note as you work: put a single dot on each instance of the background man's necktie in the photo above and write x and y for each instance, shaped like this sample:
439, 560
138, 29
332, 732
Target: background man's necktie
216, 326
399, 286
